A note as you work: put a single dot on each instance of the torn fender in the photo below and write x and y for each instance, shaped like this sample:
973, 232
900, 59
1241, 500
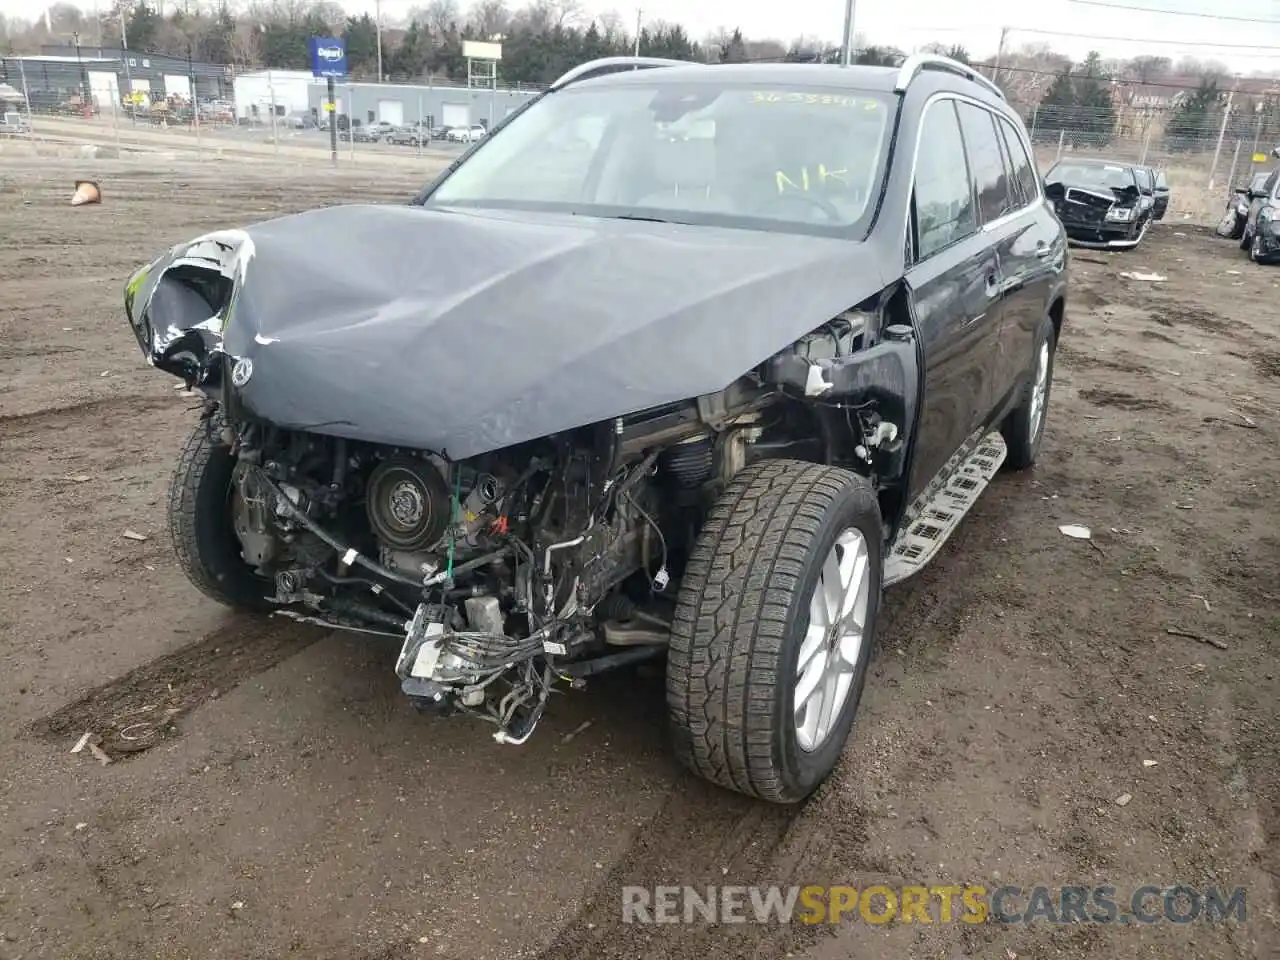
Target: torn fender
178, 304
886, 374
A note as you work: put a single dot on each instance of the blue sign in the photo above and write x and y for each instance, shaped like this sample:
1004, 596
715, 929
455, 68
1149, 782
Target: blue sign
328, 57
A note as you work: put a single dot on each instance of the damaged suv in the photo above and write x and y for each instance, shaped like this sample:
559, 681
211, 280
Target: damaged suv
682, 362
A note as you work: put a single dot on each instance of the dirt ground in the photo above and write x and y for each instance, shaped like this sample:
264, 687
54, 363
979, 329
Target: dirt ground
272, 794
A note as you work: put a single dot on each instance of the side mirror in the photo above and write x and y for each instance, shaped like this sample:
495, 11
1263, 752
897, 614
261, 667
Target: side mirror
1245, 191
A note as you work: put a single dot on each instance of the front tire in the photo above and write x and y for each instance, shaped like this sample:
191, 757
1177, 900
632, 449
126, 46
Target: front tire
200, 522
773, 629
1023, 429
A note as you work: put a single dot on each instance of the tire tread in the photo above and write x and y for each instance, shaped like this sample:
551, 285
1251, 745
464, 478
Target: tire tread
731, 620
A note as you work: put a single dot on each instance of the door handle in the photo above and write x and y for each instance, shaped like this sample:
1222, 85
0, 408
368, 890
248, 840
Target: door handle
1043, 250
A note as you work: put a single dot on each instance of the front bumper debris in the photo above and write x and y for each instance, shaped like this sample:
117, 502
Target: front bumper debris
1106, 238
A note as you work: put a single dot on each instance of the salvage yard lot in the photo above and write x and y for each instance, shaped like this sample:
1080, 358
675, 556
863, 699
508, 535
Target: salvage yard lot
273, 794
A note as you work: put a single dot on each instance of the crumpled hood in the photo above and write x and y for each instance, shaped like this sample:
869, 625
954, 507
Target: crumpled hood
468, 331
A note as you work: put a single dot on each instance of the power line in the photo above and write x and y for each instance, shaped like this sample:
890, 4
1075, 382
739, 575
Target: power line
1145, 40
1175, 13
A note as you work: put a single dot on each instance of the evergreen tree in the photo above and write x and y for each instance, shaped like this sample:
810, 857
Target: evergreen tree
1195, 120
735, 51
1095, 120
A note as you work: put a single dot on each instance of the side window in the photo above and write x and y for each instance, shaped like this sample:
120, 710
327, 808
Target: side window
1024, 170
943, 193
986, 163
1271, 183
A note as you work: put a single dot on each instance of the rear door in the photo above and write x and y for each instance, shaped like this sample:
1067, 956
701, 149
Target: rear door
1033, 253
955, 281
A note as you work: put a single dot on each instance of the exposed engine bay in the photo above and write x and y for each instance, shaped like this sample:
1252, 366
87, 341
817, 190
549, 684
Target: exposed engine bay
547, 561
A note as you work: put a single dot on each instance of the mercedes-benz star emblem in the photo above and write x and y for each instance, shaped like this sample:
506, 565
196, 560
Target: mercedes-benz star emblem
241, 372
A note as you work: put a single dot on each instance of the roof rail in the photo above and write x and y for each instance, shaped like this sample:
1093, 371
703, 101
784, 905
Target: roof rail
931, 61
596, 68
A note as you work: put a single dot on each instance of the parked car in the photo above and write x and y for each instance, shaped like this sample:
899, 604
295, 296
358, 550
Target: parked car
413, 136
361, 133
1261, 234
779, 362
466, 134
1100, 202
1236, 213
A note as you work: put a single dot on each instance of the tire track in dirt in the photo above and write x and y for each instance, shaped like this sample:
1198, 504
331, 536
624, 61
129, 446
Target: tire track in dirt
139, 710
706, 836
69, 415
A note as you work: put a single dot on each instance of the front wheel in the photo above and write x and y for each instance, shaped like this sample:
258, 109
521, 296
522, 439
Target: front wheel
774, 627
1024, 428
200, 522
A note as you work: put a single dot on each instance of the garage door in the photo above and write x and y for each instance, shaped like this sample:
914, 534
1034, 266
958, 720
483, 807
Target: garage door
455, 115
105, 88
392, 112
176, 85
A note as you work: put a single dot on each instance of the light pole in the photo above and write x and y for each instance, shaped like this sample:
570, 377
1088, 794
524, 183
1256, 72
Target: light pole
84, 77
124, 59
377, 23
846, 53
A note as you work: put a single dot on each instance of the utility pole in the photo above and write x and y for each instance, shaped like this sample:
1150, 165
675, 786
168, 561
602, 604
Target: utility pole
128, 77
846, 52
377, 15
995, 70
1222, 132
636, 51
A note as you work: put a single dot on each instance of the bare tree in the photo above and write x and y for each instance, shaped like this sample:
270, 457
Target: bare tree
490, 17
440, 15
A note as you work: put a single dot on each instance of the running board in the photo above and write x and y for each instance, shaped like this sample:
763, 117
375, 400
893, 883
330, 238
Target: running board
938, 511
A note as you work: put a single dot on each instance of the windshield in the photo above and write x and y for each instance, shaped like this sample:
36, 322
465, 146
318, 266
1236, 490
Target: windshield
1259, 182
1091, 175
805, 159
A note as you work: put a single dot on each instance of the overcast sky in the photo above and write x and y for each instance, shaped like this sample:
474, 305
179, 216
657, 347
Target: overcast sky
974, 23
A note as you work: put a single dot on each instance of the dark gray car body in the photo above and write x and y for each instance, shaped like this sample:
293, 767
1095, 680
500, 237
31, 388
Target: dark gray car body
466, 331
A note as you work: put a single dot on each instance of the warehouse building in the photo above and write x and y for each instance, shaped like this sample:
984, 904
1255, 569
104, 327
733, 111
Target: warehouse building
51, 81
434, 104
155, 76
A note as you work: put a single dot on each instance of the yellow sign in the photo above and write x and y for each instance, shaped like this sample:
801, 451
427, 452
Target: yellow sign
1259, 158
330, 107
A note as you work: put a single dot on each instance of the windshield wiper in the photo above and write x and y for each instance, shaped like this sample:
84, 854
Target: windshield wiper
636, 216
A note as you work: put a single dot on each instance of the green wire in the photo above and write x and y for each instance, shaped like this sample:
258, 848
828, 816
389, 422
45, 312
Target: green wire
456, 510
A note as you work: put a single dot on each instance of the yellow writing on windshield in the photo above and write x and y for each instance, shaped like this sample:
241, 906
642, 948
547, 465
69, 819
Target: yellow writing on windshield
820, 176
812, 99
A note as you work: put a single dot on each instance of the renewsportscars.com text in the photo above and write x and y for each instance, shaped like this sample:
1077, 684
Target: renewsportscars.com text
1150, 903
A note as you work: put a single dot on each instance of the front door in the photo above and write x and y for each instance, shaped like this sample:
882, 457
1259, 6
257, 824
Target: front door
1162, 196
